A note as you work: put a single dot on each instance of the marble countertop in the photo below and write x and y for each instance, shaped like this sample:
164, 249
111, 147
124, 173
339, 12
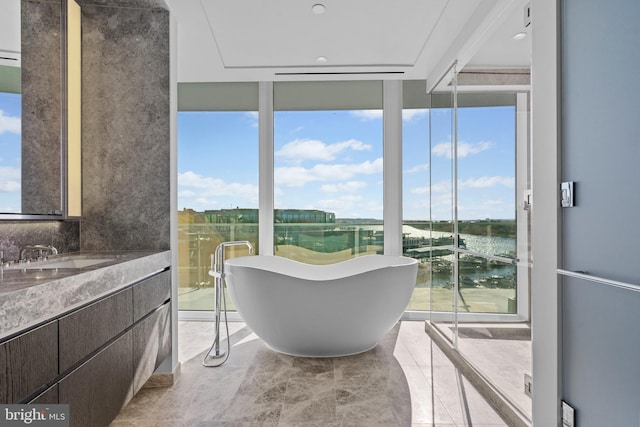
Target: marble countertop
33, 295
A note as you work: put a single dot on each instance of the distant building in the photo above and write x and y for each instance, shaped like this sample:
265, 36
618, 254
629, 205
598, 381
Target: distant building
282, 216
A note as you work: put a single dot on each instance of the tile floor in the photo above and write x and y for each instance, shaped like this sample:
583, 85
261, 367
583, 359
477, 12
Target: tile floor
499, 351
405, 381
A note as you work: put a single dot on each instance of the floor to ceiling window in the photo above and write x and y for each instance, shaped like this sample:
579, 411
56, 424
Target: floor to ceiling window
328, 170
217, 190
328, 184
416, 227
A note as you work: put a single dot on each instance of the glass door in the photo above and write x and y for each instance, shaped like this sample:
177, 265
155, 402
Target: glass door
442, 206
479, 233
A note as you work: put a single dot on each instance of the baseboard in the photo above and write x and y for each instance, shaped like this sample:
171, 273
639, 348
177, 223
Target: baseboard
163, 379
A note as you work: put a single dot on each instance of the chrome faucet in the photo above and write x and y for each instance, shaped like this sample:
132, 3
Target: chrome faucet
42, 251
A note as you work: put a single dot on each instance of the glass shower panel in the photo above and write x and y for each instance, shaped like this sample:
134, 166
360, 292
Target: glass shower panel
486, 208
486, 285
442, 138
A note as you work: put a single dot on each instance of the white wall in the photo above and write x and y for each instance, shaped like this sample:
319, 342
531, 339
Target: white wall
545, 297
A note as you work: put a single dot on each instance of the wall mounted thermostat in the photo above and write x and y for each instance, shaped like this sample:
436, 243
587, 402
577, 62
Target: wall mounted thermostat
567, 194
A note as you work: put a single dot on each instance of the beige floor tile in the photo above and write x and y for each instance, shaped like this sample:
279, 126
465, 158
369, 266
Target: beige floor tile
405, 381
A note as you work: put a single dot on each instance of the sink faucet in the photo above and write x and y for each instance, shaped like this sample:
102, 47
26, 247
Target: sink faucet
41, 251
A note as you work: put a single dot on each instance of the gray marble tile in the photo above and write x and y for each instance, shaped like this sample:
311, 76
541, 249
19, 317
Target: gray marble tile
463, 402
271, 389
260, 396
425, 405
41, 106
312, 369
356, 406
312, 423
150, 405
309, 399
125, 128
15, 235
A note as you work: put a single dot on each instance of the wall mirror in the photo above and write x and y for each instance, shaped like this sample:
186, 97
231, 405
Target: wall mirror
32, 48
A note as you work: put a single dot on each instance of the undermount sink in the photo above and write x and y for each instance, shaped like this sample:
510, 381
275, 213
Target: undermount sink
68, 263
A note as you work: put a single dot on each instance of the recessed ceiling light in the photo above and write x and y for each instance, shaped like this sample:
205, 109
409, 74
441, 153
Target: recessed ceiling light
321, 59
318, 9
520, 36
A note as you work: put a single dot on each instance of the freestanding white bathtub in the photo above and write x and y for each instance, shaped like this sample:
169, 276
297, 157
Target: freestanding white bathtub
321, 310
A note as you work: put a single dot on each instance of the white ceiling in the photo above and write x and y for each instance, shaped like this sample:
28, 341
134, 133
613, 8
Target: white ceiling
10, 33
253, 40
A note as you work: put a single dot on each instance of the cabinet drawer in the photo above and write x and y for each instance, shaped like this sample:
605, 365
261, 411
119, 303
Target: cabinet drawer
151, 345
86, 330
151, 293
98, 390
48, 397
28, 362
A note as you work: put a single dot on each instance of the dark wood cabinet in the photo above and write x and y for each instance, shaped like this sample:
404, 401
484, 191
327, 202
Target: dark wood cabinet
47, 397
86, 330
101, 387
28, 363
94, 358
151, 293
151, 344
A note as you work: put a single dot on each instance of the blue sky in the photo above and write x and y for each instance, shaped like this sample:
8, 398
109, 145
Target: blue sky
10, 130
332, 160
328, 160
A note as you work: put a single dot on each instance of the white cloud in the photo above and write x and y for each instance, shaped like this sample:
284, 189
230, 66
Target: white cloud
366, 115
418, 168
409, 115
488, 181
252, 116
202, 188
438, 187
474, 183
312, 149
342, 204
10, 179
419, 190
351, 198
464, 149
298, 176
9, 124
344, 187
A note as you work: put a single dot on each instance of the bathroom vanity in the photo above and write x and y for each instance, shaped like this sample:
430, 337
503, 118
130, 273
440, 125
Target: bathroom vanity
86, 330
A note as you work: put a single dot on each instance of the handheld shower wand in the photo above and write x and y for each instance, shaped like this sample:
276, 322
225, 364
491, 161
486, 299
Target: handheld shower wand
217, 272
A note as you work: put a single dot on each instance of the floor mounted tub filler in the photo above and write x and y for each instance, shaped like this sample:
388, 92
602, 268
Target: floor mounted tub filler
321, 310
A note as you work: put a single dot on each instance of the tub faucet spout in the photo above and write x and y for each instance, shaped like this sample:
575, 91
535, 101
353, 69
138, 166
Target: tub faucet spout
215, 353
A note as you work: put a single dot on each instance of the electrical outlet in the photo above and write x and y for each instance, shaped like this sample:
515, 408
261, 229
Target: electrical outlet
528, 385
568, 415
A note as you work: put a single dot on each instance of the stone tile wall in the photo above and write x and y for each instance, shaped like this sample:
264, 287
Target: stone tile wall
125, 126
14, 235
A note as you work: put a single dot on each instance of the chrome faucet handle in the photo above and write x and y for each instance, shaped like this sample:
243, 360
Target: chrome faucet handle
42, 251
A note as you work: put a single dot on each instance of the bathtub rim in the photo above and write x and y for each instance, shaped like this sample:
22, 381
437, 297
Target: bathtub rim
321, 273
